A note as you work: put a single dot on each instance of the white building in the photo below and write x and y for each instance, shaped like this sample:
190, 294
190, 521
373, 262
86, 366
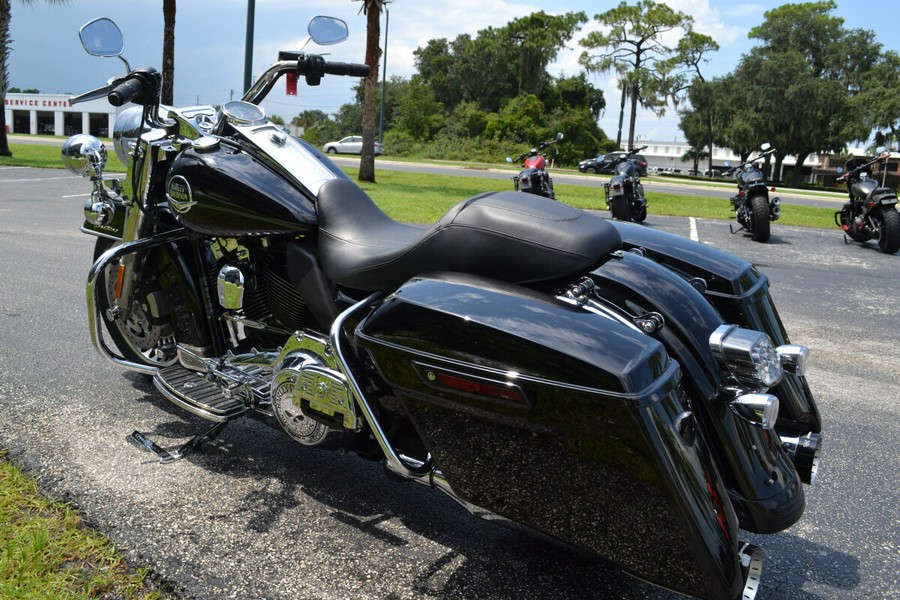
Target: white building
53, 114
668, 155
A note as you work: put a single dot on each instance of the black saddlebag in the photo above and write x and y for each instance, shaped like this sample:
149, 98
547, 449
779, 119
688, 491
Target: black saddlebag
566, 421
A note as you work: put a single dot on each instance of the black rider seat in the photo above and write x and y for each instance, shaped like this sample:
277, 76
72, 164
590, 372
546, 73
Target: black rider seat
509, 236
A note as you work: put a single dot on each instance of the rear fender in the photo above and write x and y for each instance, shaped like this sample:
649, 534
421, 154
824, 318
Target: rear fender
562, 420
764, 486
740, 294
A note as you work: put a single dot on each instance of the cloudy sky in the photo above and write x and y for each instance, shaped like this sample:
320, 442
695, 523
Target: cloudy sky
210, 35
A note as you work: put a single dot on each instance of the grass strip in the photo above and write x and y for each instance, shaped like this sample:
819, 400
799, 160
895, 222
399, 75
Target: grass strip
46, 551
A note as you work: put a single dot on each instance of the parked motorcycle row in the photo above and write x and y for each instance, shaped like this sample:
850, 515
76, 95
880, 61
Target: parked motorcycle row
619, 388
870, 214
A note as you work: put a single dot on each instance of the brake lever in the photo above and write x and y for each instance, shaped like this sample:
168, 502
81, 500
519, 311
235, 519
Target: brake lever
101, 92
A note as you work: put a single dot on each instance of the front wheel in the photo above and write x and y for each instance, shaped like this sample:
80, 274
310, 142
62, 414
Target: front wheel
133, 331
888, 234
332, 150
760, 207
640, 214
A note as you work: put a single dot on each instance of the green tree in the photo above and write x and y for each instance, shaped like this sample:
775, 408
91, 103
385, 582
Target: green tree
5, 47
802, 78
631, 44
499, 63
418, 113
878, 100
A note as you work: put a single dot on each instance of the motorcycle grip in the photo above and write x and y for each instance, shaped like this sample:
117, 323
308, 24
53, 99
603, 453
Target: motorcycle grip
124, 92
351, 69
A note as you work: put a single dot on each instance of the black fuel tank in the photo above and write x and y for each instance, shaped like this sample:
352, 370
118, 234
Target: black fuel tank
226, 191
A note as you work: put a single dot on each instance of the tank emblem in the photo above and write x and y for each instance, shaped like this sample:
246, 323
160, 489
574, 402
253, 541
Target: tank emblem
178, 192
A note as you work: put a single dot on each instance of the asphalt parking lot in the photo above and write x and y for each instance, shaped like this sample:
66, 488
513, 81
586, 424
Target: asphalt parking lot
254, 515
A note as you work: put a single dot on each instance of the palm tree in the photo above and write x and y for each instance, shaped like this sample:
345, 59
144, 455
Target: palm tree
168, 58
372, 9
5, 46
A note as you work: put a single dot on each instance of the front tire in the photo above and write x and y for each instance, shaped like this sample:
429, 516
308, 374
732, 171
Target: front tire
591, 170
888, 238
135, 337
640, 214
760, 207
331, 150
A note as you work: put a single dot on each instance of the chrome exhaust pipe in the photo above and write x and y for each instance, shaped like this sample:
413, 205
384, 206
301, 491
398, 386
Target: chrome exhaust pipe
775, 211
805, 451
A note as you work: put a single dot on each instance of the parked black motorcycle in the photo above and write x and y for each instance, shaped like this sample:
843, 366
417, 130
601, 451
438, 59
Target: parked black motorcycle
533, 178
871, 213
622, 389
752, 206
624, 191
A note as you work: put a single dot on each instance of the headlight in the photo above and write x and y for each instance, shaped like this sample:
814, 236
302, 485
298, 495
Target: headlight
748, 356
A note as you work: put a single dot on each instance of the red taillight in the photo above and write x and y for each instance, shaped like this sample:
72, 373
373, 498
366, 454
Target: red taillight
721, 518
504, 391
617, 186
772, 189
741, 193
871, 204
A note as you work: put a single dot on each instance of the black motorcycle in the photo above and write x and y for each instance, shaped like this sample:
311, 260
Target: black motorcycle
871, 213
533, 178
624, 191
625, 390
752, 207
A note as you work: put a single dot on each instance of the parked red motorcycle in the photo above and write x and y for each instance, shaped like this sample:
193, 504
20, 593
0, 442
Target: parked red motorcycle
533, 178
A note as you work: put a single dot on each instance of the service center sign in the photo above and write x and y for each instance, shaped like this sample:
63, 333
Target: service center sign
56, 102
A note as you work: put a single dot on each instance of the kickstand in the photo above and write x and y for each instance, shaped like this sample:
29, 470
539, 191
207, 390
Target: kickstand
166, 456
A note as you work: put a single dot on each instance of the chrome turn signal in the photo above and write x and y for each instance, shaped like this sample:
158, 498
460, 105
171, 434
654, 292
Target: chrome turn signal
748, 356
84, 155
793, 358
760, 409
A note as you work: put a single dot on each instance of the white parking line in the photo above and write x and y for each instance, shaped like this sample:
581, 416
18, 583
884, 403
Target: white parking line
33, 180
694, 235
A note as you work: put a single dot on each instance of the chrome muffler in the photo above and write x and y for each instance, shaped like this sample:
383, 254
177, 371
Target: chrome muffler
805, 451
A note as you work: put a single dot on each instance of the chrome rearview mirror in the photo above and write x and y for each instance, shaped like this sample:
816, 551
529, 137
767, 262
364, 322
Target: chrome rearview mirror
102, 37
327, 30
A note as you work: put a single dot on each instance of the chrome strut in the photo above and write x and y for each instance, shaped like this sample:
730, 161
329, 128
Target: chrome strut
393, 461
94, 318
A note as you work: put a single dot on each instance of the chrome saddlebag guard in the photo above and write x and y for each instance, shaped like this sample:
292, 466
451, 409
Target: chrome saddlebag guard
562, 420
